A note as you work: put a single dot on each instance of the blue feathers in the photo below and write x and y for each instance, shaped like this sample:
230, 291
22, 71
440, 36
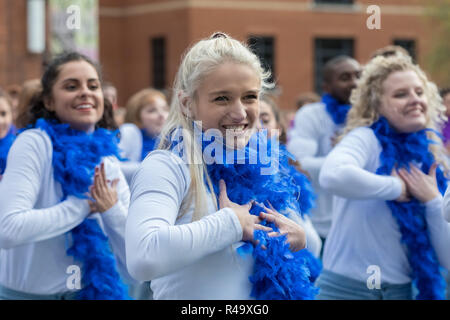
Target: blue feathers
398, 151
148, 144
5, 144
337, 111
278, 272
75, 156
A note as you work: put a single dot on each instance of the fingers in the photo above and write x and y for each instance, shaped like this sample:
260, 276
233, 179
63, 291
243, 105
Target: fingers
432, 171
223, 197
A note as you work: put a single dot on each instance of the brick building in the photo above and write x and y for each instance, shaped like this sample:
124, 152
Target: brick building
141, 41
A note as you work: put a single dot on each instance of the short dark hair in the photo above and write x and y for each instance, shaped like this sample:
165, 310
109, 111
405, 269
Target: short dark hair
51, 73
444, 91
329, 67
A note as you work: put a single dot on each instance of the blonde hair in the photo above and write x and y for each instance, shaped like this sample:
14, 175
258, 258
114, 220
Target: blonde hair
138, 101
366, 98
198, 62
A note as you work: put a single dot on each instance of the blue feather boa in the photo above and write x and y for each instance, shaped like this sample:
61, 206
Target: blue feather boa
5, 144
336, 110
75, 156
398, 151
148, 143
278, 272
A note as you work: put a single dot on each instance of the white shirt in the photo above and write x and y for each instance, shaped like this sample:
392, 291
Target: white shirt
364, 232
131, 149
183, 259
310, 141
34, 222
446, 206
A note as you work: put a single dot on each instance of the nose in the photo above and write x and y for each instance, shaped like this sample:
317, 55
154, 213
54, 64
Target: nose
238, 112
84, 91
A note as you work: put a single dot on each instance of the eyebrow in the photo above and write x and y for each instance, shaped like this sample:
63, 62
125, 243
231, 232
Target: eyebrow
77, 80
229, 92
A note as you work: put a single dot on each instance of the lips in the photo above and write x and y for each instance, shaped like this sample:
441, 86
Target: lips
235, 129
85, 107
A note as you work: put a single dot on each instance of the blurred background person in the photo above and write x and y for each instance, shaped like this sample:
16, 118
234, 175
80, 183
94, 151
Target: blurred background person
31, 90
271, 120
6, 131
445, 94
13, 92
315, 129
147, 111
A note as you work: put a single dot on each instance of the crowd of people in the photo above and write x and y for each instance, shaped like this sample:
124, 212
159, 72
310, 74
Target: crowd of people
215, 192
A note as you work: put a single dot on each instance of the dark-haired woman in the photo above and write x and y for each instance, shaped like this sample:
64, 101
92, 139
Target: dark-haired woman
63, 198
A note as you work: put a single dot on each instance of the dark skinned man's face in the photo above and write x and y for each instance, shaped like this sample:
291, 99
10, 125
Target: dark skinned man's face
343, 80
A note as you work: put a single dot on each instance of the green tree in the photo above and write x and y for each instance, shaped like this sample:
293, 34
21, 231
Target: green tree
438, 58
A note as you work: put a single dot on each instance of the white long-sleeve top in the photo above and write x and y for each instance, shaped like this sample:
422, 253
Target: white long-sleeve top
183, 259
364, 232
446, 206
131, 149
35, 223
310, 141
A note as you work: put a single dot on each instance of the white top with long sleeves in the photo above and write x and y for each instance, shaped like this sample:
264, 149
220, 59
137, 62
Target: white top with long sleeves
446, 206
183, 259
131, 149
35, 223
364, 232
311, 139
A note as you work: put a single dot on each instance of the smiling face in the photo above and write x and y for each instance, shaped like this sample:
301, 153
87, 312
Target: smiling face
343, 80
77, 97
153, 115
227, 100
403, 101
5, 117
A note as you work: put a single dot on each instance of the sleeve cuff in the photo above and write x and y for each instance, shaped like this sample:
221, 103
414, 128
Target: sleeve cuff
235, 222
116, 215
397, 188
434, 206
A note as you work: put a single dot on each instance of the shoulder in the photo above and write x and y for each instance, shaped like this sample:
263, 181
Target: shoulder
36, 138
162, 167
313, 113
364, 137
128, 129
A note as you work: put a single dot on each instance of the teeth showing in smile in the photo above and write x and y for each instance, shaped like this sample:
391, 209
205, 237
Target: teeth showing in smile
84, 106
235, 128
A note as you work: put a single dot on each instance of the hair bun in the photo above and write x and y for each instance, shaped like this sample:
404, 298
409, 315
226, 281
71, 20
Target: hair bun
218, 35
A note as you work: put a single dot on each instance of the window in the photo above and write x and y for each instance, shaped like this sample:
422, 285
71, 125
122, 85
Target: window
263, 47
409, 45
158, 49
326, 49
333, 1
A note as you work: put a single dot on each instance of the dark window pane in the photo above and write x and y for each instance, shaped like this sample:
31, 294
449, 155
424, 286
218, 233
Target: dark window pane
324, 50
409, 45
263, 47
158, 49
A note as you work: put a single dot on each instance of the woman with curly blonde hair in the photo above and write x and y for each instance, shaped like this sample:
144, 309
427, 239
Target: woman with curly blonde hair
387, 171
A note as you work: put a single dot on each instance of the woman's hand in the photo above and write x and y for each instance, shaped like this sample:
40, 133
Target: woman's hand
421, 186
105, 197
295, 234
249, 222
404, 196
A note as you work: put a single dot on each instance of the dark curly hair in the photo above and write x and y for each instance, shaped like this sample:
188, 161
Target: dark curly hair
51, 73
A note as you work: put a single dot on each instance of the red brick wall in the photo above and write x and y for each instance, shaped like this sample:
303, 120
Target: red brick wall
294, 30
